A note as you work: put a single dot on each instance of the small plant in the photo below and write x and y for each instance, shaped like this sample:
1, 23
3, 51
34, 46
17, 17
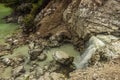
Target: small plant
28, 20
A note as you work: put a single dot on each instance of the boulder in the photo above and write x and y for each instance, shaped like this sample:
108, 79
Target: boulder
34, 53
7, 61
62, 57
18, 71
110, 51
42, 57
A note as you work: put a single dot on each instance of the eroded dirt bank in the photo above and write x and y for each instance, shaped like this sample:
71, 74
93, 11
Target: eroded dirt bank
104, 71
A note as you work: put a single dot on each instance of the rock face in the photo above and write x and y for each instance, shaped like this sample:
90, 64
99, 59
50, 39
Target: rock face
62, 57
79, 19
100, 48
110, 51
93, 17
93, 44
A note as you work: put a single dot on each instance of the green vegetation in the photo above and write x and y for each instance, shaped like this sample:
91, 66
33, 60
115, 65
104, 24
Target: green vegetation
10, 3
29, 12
18, 2
36, 7
6, 30
29, 18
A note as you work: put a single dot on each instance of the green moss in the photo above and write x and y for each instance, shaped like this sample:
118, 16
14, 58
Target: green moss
36, 7
29, 17
28, 20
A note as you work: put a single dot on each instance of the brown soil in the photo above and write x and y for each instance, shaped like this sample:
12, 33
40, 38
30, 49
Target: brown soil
53, 22
103, 71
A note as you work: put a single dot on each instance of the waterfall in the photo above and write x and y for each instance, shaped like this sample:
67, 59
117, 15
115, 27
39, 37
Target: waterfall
93, 44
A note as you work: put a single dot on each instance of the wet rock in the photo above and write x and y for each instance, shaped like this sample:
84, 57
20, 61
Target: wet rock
18, 60
18, 71
7, 61
62, 57
20, 20
9, 39
44, 43
54, 67
107, 38
19, 78
110, 51
34, 65
54, 44
52, 38
100, 48
42, 57
93, 44
26, 76
31, 45
46, 67
9, 19
25, 7
15, 42
7, 47
34, 53
40, 71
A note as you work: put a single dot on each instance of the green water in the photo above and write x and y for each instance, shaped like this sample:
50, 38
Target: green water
6, 73
67, 48
23, 51
6, 29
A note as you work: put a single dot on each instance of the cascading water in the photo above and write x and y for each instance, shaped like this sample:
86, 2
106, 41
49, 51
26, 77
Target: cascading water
93, 44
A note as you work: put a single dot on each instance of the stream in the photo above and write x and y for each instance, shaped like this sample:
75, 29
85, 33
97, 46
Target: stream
7, 29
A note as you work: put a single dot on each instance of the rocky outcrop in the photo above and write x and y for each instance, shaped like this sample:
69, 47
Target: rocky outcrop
93, 17
99, 48
107, 53
101, 71
80, 18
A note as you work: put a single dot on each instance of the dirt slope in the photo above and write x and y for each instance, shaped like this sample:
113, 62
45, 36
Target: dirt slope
101, 71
